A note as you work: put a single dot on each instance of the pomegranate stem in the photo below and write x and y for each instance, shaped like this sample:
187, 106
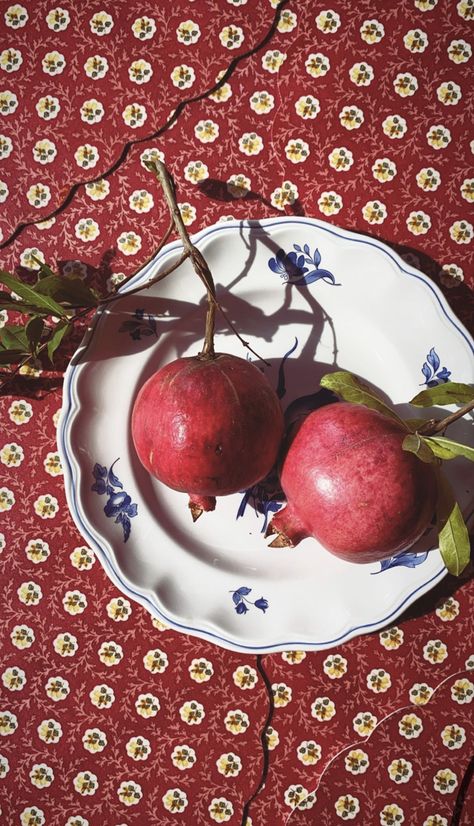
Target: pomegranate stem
432, 426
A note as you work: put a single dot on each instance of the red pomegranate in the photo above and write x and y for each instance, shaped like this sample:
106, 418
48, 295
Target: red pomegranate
350, 485
207, 425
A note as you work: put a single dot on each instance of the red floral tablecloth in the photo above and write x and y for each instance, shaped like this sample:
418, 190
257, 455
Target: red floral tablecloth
358, 114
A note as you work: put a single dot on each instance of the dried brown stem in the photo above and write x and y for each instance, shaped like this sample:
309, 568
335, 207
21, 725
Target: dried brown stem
433, 426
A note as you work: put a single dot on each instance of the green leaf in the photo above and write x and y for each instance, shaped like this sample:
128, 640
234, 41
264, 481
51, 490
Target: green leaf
414, 424
450, 393
11, 356
453, 535
34, 330
60, 331
13, 337
416, 444
9, 303
44, 270
447, 449
352, 389
72, 291
30, 294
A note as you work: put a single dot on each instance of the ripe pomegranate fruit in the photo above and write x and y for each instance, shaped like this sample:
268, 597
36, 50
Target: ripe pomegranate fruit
350, 485
207, 425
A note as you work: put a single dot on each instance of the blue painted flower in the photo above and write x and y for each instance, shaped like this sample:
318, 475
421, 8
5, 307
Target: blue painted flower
433, 375
141, 325
241, 600
408, 559
119, 504
300, 267
289, 265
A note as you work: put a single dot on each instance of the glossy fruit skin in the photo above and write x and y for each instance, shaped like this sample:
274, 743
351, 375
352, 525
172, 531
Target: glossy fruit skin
351, 486
209, 426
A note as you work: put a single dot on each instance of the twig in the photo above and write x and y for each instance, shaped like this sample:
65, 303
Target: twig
104, 302
432, 426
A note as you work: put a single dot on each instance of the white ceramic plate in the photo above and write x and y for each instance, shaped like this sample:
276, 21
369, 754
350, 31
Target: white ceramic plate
337, 300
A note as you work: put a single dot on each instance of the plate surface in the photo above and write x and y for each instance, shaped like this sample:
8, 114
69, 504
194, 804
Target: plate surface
309, 298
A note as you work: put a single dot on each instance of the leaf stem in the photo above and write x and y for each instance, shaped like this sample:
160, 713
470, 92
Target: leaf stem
432, 426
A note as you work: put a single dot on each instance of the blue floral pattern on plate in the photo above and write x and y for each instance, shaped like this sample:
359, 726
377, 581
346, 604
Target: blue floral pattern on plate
141, 325
408, 559
300, 267
241, 601
433, 375
119, 504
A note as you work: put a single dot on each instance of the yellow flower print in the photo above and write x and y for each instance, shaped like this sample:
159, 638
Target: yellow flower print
6, 146
8, 723
392, 815
65, 644
44, 151
96, 67
102, 696
391, 638
155, 661
426, 5
192, 713
281, 695
448, 610
435, 651
410, 726
394, 126
138, 748
435, 820
418, 223
92, 111
323, 709
371, 31
236, 721
188, 32
465, 9
183, 757
141, 201
50, 731
420, 694
293, 657
449, 93
101, 23
405, 84
110, 653
224, 92
159, 625
134, 115
57, 689
206, 131
32, 816
188, 213
245, 677
37, 551
297, 150
330, 203
328, 21
459, 51
416, 41
467, 190
86, 783
378, 680
46, 506
451, 275
461, 232
272, 61
74, 602
351, 117
22, 636
4, 767
27, 261
130, 793
364, 723
4, 192
175, 800
284, 195
153, 154
41, 775
48, 107
119, 609
374, 212
308, 752
8, 103
10, 60
250, 143
86, 156
220, 809
196, 171
12, 455
144, 28
341, 159
462, 691
453, 736
201, 670
183, 76
52, 464
287, 22
58, 19
238, 185
362, 74
82, 558
230, 765
3, 543
400, 771
335, 666
356, 761
14, 678
53, 63
428, 179
94, 740
129, 243
262, 102
272, 737
147, 705
317, 64
30, 593
231, 37
438, 136
445, 781
307, 107
16, 16
39, 195
297, 797
347, 807
140, 71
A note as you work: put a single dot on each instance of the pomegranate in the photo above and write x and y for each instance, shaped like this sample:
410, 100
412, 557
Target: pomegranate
208, 425
350, 485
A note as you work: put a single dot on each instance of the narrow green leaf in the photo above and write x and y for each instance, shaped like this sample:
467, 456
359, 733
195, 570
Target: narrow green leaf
352, 389
60, 331
30, 294
44, 270
72, 291
414, 424
13, 337
416, 444
34, 330
453, 535
447, 449
11, 356
9, 303
451, 392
